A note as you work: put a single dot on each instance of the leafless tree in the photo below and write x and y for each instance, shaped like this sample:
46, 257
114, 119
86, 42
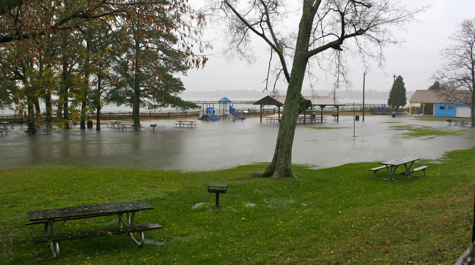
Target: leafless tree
459, 71
327, 31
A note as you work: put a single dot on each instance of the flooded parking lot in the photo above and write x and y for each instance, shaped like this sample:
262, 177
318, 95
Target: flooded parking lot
226, 144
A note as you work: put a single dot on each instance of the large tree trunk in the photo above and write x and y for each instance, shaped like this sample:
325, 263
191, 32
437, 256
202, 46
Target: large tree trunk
37, 108
136, 106
31, 116
64, 95
49, 110
281, 165
86, 82
97, 100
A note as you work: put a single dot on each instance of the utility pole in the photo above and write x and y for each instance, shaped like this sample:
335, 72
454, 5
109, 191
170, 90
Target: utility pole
364, 75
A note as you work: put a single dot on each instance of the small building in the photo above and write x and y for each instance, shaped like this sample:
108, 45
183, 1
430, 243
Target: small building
450, 104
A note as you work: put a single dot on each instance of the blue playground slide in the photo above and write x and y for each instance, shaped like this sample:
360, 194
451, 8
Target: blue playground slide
212, 117
210, 114
231, 111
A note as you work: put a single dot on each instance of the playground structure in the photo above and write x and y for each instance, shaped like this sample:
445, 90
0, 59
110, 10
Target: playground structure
225, 109
233, 115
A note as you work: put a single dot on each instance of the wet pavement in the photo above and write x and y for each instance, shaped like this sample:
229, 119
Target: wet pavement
225, 144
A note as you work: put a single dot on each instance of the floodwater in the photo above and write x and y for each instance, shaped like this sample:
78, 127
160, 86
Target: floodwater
225, 144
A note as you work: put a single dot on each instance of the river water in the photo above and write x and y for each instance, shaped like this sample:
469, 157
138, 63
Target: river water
226, 144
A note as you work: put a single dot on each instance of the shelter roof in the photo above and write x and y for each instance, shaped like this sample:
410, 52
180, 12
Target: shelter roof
327, 101
441, 96
268, 100
314, 100
225, 100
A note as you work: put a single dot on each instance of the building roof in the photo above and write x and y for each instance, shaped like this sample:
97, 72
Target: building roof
441, 96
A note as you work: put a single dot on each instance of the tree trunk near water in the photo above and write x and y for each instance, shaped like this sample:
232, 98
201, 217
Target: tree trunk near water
281, 165
31, 116
337, 22
136, 106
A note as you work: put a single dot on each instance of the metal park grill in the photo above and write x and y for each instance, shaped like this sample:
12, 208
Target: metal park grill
217, 188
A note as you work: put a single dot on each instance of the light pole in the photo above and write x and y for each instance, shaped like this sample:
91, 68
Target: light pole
364, 75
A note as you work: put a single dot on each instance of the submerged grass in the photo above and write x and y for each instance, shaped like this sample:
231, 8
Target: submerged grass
327, 128
338, 215
432, 118
415, 131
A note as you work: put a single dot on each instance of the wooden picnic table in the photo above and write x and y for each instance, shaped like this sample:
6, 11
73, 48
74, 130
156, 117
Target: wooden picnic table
392, 165
50, 216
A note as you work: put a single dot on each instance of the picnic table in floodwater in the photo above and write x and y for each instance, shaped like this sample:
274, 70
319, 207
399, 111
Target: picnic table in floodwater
185, 123
115, 123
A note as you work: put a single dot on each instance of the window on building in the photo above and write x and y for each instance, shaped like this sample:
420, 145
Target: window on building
442, 107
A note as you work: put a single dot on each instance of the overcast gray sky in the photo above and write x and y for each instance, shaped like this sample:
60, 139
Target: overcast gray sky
415, 60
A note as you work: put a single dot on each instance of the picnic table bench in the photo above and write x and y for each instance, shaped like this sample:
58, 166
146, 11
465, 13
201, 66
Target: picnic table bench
3, 130
459, 122
185, 123
137, 127
50, 216
273, 119
392, 165
6, 124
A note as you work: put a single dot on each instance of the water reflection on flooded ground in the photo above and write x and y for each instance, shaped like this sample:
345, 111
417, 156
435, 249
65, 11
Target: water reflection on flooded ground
225, 144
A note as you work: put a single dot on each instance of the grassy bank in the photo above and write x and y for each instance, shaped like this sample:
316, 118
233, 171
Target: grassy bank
337, 215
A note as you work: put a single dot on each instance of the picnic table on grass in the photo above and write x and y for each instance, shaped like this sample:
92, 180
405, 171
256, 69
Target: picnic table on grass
126, 226
392, 165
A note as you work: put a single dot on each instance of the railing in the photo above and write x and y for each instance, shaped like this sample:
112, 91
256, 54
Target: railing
246, 112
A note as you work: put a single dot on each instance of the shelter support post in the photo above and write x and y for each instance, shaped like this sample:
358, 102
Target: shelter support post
321, 112
337, 113
261, 112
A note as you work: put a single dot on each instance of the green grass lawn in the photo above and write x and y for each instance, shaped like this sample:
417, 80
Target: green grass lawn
338, 215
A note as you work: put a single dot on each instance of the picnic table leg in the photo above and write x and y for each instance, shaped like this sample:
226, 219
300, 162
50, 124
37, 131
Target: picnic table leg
410, 166
130, 223
49, 231
130, 219
408, 170
392, 171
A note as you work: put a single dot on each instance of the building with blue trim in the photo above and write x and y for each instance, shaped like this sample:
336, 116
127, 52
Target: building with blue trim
449, 104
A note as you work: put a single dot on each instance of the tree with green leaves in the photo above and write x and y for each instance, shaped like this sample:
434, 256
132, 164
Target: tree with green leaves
150, 56
397, 95
326, 31
72, 61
